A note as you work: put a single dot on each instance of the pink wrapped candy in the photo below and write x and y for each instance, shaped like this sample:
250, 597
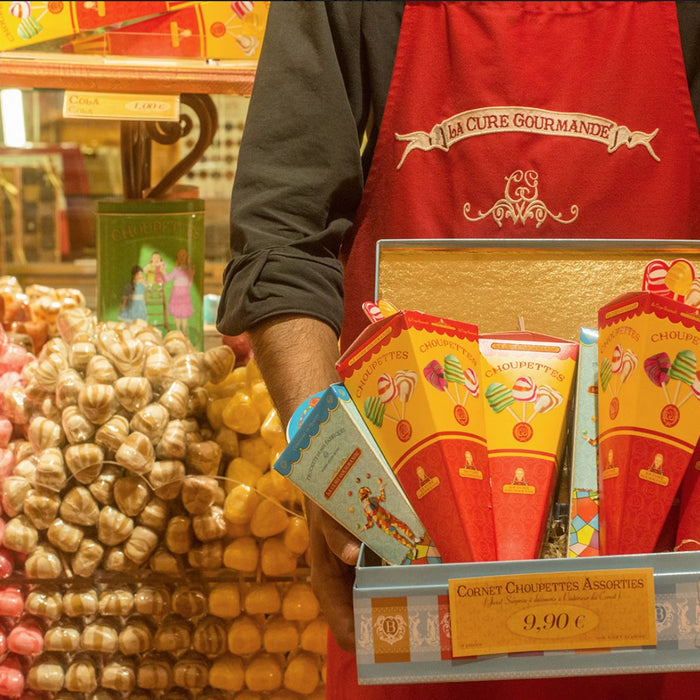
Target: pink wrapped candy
11, 680
26, 639
11, 602
7, 561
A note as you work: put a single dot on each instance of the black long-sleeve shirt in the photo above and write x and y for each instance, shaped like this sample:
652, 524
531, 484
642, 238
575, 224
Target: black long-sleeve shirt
314, 114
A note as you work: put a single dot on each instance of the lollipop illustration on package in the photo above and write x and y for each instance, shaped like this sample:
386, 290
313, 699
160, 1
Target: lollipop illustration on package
614, 372
524, 391
394, 392
455, 382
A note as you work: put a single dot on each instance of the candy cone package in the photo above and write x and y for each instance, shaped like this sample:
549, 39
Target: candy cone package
334, 460
415, 379
527, 379
649, 412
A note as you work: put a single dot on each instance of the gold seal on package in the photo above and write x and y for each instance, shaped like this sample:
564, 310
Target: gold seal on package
528, 379
649, 404
415, 379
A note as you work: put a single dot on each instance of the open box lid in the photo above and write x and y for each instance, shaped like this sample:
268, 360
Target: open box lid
555, 286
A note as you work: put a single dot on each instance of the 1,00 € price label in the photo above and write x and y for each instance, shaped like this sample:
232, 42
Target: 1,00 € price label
541, 612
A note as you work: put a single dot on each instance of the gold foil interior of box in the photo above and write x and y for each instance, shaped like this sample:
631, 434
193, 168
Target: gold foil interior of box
555, 290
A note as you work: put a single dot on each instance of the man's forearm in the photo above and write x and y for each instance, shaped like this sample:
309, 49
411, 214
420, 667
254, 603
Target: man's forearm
296, 355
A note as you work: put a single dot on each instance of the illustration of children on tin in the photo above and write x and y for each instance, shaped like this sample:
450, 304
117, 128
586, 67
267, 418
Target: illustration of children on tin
655, 471
133, 305
154, 270
377, 514
180, 304
469, 470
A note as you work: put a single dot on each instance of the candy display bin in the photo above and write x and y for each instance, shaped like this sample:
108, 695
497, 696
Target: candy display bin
403, 614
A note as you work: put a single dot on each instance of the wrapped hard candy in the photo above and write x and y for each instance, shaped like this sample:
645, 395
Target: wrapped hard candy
64, 536
101, 371
84, 461
46, 674
224, 600
118, 675
189, 369
11, 680
150, 421
136, 637
68, 388
244, 636
205, 457
280, 636
174, 635
155, 515
73, 321
133, 393
164, 562
128, 356
46, 603
80, 602
210, 525
141, 544
155, 673
113, 527
63, 637
7, 561
177, 343
16, 405
158, 366
81, 676
87, 558
97, 402
136, 453
80, 354
218, 362
99, 636
153, 601
112, 434
76, 427
189, 601
210, 637
262, 599
102, 488
79, 506
6, 430
11, 601
240, 414
276, 559
43, 563
207, 555
116, 560
198, 493
191, 671
302, 673
178, 534
14, 493
172, 444
175, 399
44, 433
49, 409
50, 471
20, 535
116, 601
46, 372
227, 673
131, 493
167, 477
26, 638
268, 519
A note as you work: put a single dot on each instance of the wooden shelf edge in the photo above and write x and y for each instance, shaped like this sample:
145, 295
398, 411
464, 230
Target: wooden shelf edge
102, 74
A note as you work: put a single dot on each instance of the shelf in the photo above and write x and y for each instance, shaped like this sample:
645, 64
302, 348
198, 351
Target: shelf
36, 69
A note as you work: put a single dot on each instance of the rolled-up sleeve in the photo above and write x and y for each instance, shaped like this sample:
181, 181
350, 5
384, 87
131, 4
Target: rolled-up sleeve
299, 178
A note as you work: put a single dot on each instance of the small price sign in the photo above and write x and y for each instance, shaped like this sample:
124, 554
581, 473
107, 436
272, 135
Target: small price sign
543, 612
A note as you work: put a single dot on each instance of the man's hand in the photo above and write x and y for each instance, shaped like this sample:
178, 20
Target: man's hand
334, 553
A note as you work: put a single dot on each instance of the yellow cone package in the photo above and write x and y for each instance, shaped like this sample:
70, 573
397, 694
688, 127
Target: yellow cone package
415, 380
527, 379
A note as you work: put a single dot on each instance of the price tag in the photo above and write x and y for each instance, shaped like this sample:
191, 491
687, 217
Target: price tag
122, 106
542, 612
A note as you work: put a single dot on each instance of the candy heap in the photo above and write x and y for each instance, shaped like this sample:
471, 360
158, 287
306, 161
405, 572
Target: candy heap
128, 455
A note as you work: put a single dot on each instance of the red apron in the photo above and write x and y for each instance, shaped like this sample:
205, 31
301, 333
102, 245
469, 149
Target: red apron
528, 120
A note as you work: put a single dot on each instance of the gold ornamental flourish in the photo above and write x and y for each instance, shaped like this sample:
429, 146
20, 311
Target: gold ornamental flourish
520, 203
